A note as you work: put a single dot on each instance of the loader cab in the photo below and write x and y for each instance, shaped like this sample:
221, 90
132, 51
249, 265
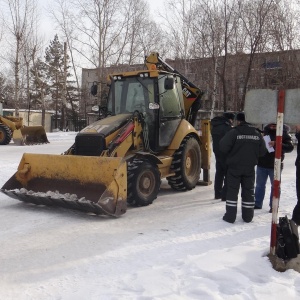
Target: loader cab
128, 94
158, 99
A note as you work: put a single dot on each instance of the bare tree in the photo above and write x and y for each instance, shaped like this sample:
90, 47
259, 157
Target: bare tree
283, 36
64, 17
151, 37
1, 28
179, 18
19, 26
215, 35
2, 18
254, 16
99, 27
283, 29
32, 46
135, 17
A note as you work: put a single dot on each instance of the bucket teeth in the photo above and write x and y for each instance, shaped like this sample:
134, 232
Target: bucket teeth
82, 205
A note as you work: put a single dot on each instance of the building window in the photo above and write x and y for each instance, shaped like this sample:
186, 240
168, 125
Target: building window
272, 65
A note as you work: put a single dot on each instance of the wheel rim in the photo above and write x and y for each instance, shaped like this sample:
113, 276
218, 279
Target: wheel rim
146, 183
190, 167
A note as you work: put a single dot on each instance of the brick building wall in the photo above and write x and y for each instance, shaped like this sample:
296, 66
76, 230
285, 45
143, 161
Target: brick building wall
272, 70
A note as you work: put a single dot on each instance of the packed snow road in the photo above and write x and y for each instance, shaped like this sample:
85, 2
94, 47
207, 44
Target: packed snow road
177, 248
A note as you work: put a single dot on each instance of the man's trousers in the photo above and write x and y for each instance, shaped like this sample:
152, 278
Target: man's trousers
220, 186
244, 177
262, 175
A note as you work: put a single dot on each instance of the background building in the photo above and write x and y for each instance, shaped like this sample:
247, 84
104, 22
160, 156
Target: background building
272, 70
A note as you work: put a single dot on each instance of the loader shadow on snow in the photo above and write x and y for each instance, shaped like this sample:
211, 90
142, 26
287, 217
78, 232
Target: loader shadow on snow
165, 202
161, 201
165, 189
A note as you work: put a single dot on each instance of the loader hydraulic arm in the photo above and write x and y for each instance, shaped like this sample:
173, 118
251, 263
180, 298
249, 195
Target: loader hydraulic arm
191, 93
154, 58
130, 136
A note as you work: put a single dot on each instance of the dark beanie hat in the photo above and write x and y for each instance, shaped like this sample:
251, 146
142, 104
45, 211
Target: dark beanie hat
229, 115
240, 117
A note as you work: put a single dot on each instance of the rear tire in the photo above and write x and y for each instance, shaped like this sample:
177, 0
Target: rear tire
5, 135
186, 164
143, 182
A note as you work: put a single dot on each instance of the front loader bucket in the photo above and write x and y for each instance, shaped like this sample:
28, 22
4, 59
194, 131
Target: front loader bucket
89, 184
30, 135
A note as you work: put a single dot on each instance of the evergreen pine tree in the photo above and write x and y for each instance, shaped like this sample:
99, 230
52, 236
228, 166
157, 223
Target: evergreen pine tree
39, 85
54, 59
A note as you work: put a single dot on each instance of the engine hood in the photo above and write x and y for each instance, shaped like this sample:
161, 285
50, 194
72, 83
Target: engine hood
107, 125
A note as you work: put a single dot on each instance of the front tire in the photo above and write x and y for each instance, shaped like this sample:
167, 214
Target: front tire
143, 182
5, 135
186, 164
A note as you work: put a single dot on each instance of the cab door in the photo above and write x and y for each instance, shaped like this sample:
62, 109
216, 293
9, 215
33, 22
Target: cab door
170, 108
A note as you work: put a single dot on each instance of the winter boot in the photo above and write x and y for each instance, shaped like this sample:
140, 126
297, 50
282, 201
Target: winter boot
231, 210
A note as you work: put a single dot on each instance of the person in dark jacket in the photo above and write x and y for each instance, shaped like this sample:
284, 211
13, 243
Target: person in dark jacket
220, 125
296, 211
265, 166
243, 145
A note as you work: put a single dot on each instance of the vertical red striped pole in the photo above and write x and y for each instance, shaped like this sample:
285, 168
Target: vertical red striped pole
277, 169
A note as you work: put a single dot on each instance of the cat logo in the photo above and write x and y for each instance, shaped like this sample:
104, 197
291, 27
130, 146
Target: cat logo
186, 92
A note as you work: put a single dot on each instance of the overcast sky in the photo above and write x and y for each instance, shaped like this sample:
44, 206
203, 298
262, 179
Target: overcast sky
47, 28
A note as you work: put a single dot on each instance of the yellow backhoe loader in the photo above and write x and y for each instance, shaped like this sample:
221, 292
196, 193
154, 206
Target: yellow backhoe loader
147, 134
12, 128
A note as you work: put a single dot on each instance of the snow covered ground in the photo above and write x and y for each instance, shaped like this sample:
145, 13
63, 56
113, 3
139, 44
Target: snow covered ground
177, 248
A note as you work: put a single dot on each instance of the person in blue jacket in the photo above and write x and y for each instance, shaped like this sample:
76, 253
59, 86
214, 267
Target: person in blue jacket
265, 166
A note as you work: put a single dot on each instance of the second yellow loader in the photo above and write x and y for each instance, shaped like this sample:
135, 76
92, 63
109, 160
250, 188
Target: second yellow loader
12, 128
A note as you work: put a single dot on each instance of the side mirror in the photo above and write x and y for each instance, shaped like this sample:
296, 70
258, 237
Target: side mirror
94, 89
169, 83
